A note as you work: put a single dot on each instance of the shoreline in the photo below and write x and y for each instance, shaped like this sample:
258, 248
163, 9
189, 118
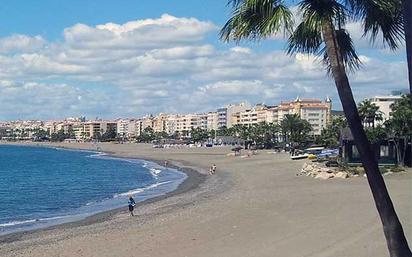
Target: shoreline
255, 206
192, 181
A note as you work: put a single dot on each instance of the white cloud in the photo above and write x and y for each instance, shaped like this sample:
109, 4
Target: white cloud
27, 100
239, 49
146, 34
21, 43
161, 65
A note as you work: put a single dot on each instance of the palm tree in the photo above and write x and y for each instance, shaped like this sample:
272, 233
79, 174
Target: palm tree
322, 32
243, 132
294, 128
286, 126
271, 133
369, 113
223, 131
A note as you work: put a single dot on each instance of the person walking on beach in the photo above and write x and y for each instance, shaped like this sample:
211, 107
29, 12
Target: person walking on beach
213, 168
132, 204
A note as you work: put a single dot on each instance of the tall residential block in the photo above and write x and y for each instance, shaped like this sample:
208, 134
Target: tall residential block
316, 112
225, 114
255, 115
384, 103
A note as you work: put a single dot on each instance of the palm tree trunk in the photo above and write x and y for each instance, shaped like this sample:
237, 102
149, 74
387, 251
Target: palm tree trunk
407, 21
395, 238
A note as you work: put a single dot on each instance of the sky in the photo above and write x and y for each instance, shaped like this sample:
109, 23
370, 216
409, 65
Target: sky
129, 58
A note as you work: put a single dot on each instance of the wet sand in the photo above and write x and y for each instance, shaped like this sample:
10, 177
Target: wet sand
254, 206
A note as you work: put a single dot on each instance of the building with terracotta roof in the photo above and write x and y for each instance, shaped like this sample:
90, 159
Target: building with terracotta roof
316, 112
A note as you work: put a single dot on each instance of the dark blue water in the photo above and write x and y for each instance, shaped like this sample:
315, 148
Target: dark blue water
42, 186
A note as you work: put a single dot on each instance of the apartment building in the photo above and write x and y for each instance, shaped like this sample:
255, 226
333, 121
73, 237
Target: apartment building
316, 112
257, 114
160, 122
212, 121
143, 123
225, 114
185, 123
384, 103
92, 129
177, 123
171, 124
126, 128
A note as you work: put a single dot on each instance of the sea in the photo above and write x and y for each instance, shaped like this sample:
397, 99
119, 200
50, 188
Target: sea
44, 186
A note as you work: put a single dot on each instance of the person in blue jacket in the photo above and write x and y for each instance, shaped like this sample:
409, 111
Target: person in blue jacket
132, 204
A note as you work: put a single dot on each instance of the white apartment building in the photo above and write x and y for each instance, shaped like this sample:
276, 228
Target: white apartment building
143, 123
160, 122
174, 123
171, 124
225, 114
126, 128
65, 125
384, 103
257, 114
212, 121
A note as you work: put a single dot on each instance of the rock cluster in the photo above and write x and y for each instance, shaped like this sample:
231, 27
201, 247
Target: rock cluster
319, 171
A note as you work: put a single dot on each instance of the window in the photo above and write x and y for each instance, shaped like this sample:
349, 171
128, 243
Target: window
384, 151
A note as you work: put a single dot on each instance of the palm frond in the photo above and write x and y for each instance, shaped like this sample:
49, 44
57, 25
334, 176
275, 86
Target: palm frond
383, 16
256, 19
306, 38
235, 3
324, 11
347, 50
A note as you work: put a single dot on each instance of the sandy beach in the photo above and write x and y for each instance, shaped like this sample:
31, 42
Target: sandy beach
255, 206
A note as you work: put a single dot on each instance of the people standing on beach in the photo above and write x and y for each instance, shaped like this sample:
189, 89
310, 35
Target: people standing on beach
210, 170
166, 163
132, 204
213, 168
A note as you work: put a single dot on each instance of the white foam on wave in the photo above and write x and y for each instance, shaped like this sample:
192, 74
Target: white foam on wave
141, 190
17, 222
155, 172
90, 203
97, 155
22, 222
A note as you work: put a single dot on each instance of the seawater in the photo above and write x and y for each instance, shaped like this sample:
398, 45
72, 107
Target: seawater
41, 186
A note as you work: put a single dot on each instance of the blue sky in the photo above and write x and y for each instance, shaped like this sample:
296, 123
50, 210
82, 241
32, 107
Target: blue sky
49, 17
127, 58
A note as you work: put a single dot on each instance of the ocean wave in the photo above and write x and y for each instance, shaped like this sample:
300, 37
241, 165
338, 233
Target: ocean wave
17, 222
97, 155
22, 222
155, 172
141, 190
75, 150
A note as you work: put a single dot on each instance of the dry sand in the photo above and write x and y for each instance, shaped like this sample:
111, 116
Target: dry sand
254, 206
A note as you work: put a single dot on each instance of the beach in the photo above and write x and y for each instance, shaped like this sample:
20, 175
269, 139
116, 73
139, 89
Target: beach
257, 206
